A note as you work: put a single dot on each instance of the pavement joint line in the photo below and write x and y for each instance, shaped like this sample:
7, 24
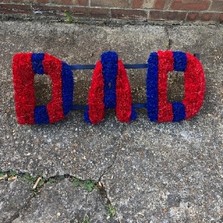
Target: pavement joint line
39, 182
170, 41
25, 206
112, 212
109, 167
105, 22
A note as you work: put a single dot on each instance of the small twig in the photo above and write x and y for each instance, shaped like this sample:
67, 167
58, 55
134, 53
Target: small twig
12, 178
3, 177
37, 182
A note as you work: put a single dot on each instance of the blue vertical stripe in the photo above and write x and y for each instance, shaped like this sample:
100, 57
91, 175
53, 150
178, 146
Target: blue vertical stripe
109, 62
37, 63
180, 64
178, 111
152, 87
41, 115
67, 88
133, 114
40, 112
180, 61
86, 115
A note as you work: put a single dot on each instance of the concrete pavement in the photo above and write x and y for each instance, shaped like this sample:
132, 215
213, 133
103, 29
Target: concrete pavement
112, 172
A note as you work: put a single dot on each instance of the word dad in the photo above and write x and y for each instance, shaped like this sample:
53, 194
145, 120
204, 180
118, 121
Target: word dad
110, 88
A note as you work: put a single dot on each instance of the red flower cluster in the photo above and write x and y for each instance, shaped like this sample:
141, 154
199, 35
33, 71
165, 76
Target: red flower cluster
124, 95
53, 67
96, 96
165, 65
110, 88
23, 78
194, 86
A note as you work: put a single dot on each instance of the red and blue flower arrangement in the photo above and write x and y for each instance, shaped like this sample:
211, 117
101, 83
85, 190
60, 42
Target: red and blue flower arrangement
110, 88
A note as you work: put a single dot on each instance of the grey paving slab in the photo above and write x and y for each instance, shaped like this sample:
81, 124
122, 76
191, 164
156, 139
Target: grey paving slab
152, 172
71, 146
64, 203
173, 172
14, 195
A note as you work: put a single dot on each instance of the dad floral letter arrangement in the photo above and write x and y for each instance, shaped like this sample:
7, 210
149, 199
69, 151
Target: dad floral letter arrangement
110, 88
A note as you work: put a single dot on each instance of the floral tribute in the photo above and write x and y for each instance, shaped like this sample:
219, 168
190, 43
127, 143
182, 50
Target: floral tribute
110, 88
25, 66
159, 65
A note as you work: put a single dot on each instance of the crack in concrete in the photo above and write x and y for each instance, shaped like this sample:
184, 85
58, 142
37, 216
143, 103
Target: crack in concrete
11, 175
112, 212
103, 192
17, 213
109, 167
88, 185
40, 182
170, 41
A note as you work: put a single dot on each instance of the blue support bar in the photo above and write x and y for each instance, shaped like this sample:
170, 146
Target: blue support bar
92, 66
83, 107
127, 66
